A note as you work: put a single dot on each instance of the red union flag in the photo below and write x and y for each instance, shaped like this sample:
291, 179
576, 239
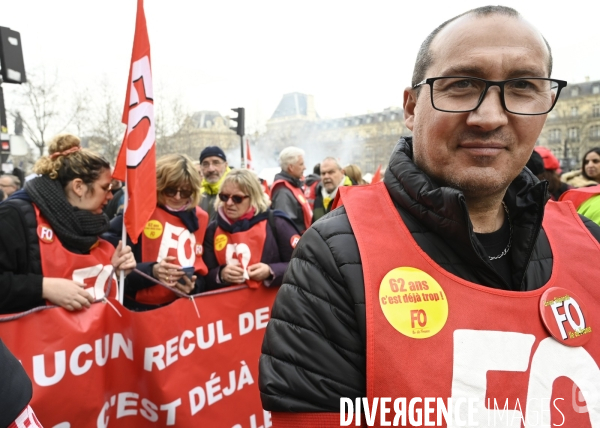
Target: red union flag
248, 156
377, 176
136, 164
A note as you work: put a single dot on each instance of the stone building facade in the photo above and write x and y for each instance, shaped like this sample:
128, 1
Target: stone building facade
200, 130
365, 140
573, 127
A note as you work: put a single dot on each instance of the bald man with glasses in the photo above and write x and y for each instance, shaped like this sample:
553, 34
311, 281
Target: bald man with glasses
455, 277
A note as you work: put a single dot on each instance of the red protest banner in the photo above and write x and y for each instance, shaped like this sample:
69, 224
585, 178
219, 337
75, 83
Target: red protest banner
165, 367
136, 163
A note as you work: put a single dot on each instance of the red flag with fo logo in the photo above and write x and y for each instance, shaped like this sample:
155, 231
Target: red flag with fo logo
136, 163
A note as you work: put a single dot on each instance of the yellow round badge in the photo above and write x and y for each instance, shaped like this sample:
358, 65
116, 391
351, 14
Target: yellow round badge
413, 302
153, 229
220, 242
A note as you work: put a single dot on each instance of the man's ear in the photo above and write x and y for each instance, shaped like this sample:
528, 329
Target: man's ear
410, 102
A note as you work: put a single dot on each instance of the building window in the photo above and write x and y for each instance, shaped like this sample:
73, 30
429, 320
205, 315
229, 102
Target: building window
575, 92
574, 111
596, 89
573, 134
554, 135
596, 110
595, 132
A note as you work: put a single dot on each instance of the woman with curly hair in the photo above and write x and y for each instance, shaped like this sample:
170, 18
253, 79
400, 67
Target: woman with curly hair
50, 233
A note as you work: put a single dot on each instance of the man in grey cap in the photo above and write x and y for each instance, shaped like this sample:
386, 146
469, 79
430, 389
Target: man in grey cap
213, 165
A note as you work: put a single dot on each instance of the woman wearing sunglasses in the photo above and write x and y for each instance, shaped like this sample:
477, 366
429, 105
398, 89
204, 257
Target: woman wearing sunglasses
50, 233
171, 240
248, 242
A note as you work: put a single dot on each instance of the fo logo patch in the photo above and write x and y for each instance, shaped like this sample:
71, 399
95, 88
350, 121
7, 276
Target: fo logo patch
565, 317
294, 240
45, 233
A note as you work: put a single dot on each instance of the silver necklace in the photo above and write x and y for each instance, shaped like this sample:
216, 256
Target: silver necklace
506, 250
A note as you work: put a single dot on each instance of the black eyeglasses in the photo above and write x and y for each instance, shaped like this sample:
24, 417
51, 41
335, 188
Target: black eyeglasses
237, 199
172, 191
527, 96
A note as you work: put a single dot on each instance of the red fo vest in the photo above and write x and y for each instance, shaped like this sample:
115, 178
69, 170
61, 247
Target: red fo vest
265, 187
493, 344
246, 247
93, 269
166, 235
580, 195
299, 194
310, 193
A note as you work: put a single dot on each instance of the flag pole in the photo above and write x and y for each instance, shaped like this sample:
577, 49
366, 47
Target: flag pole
123, 243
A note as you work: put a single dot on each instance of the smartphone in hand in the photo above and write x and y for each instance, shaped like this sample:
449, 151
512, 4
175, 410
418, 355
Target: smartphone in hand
189, 272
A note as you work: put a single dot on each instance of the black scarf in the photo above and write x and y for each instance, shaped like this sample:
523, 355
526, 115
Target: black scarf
76, 229
241, 225
188, 218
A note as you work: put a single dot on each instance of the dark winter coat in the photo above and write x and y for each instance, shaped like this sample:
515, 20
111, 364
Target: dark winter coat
20, 261
313, 352
15, 387
283, 199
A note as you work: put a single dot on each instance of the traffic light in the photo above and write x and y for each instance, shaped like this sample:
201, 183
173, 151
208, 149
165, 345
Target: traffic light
4, 148
239, 128
11, 56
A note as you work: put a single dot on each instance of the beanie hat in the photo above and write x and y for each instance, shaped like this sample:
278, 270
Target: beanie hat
212, 151
535, 163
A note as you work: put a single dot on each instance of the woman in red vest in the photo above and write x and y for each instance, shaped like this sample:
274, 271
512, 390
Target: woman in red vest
172, 239
50, 246
248, 243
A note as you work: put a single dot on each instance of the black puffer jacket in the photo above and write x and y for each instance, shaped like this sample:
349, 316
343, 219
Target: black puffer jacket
15, 387
314, 346
20, 261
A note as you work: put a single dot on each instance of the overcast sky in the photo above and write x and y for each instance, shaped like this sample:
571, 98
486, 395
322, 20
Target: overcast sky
353, 57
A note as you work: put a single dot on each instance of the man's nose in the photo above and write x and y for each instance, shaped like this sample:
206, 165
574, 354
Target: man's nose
490, 114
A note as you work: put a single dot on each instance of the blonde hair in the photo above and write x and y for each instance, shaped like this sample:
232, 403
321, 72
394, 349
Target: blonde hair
67, 161
175, 171
354, 173
248, 182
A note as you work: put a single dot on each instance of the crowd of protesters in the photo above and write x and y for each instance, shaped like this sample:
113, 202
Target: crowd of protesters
215, 226
76, 197
74, 204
